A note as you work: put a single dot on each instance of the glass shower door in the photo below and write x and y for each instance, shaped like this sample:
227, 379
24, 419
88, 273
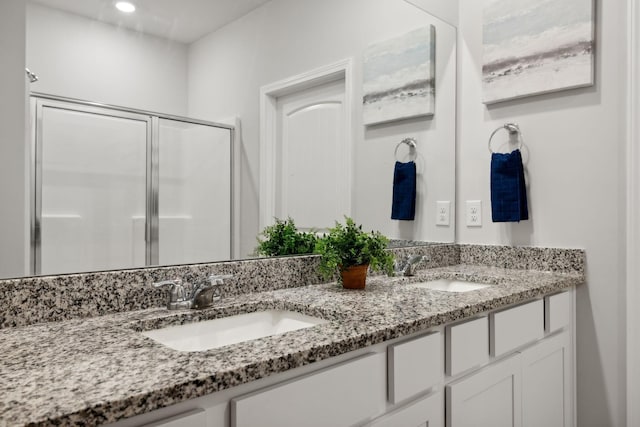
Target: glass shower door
93, 182
194, 192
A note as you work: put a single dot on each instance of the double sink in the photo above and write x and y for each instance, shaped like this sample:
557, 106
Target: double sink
211, 334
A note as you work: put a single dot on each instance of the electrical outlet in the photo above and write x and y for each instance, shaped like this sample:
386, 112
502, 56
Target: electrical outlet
474, 213
443, 214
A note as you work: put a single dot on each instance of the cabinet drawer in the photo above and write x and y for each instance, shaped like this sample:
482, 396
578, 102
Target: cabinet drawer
414, 366
338, 396
514, 327
426, 411
466, 345
557, 311
195, 418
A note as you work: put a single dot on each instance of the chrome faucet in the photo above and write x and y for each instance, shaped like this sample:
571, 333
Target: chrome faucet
408, 266
177, 294
207, 292
202, 296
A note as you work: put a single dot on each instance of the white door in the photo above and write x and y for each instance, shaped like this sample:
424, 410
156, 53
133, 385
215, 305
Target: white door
312, 165
546, 383
488, 398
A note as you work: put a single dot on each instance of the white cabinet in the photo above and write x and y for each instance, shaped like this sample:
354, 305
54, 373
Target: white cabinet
547, 383
195, 418
338, 396
490, 397
557, 311
467, 345
532, 388
423, 412
514, 327
414, 366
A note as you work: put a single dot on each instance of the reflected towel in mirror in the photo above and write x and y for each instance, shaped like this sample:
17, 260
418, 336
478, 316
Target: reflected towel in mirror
404, 191
508, 189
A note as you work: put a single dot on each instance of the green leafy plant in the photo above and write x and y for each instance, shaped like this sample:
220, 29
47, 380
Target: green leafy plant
283, 238
347, 245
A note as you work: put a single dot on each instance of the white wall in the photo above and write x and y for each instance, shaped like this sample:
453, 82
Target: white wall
575, 150
633, 227
446, 10
287, 37
13, 166
81, 58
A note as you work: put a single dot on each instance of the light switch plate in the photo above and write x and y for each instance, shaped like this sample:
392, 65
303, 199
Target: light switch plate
443, 214
474, 213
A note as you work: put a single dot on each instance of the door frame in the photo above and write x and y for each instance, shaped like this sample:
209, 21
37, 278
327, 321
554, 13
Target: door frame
269, 95
633, 213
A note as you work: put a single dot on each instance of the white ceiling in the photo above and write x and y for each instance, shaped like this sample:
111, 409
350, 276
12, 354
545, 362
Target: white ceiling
182, 20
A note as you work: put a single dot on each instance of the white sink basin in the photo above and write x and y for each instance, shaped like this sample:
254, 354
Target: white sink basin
450, 285
205, 335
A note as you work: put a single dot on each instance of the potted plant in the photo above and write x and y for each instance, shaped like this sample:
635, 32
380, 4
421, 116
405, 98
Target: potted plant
351, 251
283, 238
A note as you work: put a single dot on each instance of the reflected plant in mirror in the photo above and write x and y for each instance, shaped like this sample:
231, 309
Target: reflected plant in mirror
283, 238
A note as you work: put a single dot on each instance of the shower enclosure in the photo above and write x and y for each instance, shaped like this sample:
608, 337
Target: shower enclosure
117, 188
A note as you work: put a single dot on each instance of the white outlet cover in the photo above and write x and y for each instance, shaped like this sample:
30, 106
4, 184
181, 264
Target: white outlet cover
474, 213
443, 213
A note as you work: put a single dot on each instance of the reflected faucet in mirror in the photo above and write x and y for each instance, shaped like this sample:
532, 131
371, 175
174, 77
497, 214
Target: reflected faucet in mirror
408, 266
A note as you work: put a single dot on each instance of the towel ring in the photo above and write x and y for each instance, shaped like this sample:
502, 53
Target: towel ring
411, 142
512, 128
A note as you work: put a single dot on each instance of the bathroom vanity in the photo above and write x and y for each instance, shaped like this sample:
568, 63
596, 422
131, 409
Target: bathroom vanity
394, 354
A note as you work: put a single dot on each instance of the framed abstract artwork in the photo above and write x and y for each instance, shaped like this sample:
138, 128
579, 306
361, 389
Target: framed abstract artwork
399, 77
532, 47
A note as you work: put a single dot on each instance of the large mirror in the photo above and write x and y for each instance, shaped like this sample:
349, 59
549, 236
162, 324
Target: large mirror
234, 73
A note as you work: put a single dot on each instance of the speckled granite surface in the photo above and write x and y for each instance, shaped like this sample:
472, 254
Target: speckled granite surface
45, 299
48, 299
524, 257
97, 370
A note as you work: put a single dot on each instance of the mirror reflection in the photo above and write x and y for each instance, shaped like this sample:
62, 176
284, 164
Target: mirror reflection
232, 151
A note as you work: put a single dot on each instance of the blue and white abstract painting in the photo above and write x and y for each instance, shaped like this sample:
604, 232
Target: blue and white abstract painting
536, 46
399, 77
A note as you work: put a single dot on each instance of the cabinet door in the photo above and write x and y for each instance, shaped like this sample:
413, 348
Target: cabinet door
341, 395
546, 383
490, 397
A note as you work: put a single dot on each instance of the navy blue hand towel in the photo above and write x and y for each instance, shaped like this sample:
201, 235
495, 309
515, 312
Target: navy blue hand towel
508, 190
404, 191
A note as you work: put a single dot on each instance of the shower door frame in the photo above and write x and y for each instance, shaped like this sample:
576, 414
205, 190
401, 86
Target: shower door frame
632, 318
39, 101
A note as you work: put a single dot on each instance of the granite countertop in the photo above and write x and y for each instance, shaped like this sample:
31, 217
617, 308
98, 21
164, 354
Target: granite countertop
100, 370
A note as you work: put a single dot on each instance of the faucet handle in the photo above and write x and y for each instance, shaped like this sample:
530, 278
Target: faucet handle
176, 290
218, 279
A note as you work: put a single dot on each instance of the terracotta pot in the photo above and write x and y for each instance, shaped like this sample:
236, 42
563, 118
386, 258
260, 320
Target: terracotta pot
354, 277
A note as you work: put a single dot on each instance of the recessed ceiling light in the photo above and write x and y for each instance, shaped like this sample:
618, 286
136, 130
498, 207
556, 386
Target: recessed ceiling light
125, 7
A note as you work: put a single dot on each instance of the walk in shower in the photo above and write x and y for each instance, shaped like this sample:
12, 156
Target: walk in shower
117, 188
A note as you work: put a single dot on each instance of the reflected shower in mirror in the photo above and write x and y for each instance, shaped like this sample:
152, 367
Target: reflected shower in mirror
116, 188
234, 62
